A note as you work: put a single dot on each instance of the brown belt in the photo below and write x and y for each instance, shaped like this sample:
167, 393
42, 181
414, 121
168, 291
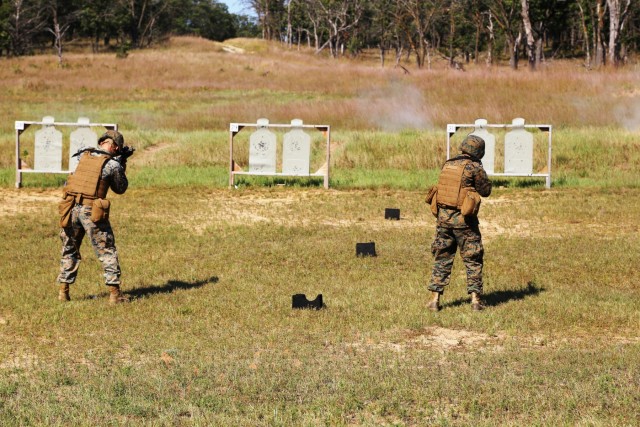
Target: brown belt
455, 208
83, 200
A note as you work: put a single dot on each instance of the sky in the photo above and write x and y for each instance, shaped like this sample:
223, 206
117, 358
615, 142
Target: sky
235, 6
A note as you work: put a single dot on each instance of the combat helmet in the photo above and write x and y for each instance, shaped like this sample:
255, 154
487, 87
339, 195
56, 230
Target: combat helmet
473, 145
113, 135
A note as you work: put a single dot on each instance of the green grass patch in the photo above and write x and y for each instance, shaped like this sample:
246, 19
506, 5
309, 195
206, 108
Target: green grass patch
210, 337
181, 176
582, 158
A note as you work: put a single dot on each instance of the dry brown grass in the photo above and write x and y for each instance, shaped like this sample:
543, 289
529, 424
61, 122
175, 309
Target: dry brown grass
200, 78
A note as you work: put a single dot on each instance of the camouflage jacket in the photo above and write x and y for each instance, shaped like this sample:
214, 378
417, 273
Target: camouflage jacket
474, 176
114, 173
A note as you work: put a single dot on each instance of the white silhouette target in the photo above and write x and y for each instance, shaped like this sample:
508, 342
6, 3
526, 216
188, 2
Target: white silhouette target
488, 161
81, 138
262, 150
48, 147
296, 150
518, 149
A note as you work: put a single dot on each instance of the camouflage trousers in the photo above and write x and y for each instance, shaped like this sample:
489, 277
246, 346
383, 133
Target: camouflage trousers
102, 239
444, 246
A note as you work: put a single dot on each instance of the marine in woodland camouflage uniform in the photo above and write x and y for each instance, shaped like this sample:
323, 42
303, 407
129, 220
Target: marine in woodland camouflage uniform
100, 234
455, 231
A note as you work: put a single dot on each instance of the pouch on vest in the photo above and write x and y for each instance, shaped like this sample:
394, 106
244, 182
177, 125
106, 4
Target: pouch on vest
431, 199
434, 205
64, 209
431, 194
471, 202
100, 210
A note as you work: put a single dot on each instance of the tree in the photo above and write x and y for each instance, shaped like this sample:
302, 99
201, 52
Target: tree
245, 26
299, 25
5, 39
598, 39
585, 33
422, 14
26, 20
144, 20
340, 17
62, 15
99, 20
491, 39
604, 31
315, 18
208, 19
475, 8
383, 28
618, 10
505, 13
531, 41
270, 16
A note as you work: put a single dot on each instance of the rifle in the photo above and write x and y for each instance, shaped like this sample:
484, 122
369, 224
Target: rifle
125, 152
122, 156
92, 150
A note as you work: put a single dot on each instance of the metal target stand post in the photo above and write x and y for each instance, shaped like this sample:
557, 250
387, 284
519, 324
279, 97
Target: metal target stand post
21, 126
235, 128
452, 128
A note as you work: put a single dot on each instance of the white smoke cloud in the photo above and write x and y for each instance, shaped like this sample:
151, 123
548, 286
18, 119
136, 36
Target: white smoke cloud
628, 114
394, 107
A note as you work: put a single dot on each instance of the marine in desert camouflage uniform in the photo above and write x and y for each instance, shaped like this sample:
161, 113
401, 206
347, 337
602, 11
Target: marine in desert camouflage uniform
111, 176
456, 231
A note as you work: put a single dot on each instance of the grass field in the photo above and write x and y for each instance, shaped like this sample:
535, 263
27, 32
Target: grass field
210, 337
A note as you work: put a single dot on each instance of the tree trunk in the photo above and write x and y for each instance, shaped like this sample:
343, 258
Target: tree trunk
399, 48
419, 58
452, 32
420, 53
58, 33
586, 38
614, 31
617, 17
490, 42
539, 55
477, 43
289, 28
315, 37
58, 40
513, 43
599, 43
528, 29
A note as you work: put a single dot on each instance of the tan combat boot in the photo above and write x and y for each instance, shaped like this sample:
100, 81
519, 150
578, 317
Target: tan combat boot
63, 294
434, 304
476, 302
116, 296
